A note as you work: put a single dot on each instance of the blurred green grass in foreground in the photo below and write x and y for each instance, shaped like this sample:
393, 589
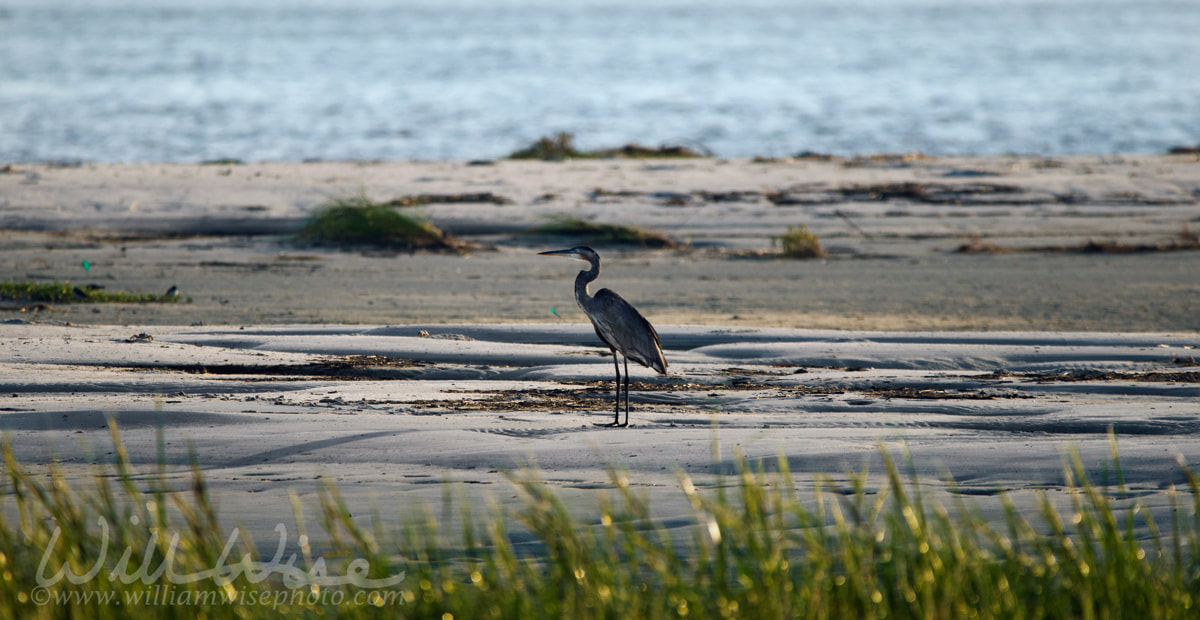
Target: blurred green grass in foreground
754, 550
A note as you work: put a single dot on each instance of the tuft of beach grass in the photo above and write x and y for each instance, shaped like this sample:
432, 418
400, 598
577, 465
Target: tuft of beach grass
799, 242
358, 220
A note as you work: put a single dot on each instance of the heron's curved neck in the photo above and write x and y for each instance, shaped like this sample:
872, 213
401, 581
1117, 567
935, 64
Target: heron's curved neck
585, 277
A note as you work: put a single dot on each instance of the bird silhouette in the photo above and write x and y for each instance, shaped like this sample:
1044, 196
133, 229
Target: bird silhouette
618, 324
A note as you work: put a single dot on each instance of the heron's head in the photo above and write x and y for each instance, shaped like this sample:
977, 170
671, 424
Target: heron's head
581, 252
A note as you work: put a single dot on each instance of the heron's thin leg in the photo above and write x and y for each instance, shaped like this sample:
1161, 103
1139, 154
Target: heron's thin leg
617, 395
626, 392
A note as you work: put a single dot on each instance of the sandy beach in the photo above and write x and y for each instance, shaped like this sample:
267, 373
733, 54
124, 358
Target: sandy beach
1071, 311
891, 227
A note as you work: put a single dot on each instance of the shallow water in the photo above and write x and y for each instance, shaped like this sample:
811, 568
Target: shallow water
122, 80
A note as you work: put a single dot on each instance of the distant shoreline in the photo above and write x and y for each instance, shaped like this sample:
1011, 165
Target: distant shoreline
799, 155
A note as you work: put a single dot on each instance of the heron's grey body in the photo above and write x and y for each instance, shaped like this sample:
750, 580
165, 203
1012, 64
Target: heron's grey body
618, 324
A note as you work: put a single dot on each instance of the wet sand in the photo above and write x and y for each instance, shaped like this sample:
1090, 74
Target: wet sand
392, 413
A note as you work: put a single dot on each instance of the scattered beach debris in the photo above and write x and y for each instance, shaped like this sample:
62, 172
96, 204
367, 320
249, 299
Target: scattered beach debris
418, 200
814, 156
458, 337
1188, 361
1077, 375
859, 229
286, 257
592, 233
912, 191
962, 194
63, 164
562, 146
955, 194
600, 194
969, 173
558, 146
65, 292
887, 160
977, 245
913, 393
347, 367
1184, 241
673, 198
635, 150
729, 196
801, 156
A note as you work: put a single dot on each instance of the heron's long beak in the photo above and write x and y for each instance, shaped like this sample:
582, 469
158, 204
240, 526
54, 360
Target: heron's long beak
569, 253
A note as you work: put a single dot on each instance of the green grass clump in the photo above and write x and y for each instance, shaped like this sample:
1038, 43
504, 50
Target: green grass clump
357, 220
65, 292
799, 242
754, 550
562, 146
595, 234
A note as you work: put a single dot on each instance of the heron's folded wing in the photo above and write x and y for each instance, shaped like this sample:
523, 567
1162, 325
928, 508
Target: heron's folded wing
621, 326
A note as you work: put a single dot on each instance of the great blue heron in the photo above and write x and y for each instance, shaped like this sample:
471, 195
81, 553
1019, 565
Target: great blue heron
617, 323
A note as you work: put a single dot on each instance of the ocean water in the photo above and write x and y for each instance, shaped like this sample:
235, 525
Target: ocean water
145, 80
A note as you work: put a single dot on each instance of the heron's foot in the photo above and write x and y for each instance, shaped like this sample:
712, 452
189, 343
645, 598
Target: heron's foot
611, 425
